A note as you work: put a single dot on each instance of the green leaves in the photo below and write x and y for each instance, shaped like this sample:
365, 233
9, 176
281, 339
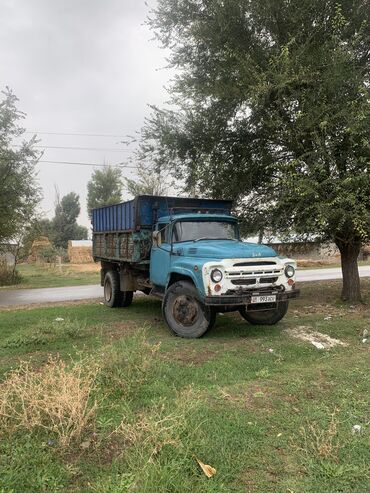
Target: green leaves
104, 188
19, 193
273, 110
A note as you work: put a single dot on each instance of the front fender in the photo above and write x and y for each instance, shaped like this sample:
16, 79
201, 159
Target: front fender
188, 269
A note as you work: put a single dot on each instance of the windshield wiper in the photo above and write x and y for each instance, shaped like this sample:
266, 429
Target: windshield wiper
205, 238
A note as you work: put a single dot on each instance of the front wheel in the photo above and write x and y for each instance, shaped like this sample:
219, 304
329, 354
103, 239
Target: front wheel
184, 313
265, 317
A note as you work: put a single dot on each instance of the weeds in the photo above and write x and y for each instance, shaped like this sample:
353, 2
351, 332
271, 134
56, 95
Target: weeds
54, 399
154, 430
59, 399
126, 364
320, 442
164, 431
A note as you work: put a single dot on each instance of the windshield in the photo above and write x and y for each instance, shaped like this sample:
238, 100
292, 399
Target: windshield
205, 230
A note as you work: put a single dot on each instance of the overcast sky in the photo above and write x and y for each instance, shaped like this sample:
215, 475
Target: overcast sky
80, 66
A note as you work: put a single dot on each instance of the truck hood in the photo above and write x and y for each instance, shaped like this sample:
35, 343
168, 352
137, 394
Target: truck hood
220, 249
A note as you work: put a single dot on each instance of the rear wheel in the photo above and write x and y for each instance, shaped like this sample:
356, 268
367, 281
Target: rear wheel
113, 296
184, 313
265, 317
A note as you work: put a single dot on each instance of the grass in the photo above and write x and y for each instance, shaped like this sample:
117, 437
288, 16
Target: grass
39, 276
269, 412
304, 264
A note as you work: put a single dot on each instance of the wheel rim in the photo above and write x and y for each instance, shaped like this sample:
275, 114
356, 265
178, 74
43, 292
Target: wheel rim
107, 291
185, 310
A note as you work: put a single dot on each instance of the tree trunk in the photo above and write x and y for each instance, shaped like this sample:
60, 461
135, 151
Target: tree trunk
16, 257
349, 252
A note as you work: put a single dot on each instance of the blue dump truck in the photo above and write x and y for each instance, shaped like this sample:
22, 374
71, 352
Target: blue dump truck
188, 252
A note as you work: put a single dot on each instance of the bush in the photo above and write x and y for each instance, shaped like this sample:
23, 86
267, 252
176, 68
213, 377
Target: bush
8, 277
53, 399
49, 255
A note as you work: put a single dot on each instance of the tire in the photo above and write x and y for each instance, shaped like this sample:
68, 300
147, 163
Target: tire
113, 296
127, 298
184, 313
265, 317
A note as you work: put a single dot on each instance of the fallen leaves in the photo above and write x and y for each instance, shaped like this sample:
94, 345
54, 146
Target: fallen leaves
208, 470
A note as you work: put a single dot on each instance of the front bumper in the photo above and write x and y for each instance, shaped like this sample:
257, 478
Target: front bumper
245, 298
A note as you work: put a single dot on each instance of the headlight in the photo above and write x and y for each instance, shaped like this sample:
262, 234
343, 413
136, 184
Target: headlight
289, 271
216, 275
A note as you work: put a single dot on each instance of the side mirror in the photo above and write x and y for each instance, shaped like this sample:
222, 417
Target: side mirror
157, 240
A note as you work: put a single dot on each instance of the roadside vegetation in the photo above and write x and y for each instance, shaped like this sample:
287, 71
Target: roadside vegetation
101, 400
49, 276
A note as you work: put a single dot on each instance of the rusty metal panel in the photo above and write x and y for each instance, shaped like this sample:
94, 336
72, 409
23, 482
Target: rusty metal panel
130, 246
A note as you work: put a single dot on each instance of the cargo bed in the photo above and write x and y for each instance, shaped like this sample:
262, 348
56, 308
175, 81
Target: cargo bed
123, 232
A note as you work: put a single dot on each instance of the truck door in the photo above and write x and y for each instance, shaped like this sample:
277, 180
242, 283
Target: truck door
160, 257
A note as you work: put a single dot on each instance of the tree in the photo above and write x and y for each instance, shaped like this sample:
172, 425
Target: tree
273, 110
65, 225
148, 181
104, 188
19, 192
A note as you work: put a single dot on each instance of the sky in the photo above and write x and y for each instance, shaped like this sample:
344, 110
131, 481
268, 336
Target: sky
80, 67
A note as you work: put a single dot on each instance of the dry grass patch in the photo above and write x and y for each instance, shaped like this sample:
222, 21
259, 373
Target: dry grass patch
117, 330
53, 398
88, 267
321, 442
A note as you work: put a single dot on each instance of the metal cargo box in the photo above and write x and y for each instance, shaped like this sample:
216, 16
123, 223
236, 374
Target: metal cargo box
144, 210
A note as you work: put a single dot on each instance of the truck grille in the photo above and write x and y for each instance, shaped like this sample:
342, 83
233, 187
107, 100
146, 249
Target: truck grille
250, 273
268, 280
251, 282
243, 282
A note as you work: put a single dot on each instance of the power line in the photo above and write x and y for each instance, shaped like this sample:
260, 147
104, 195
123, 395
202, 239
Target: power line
75, 133
77, 163
103, 149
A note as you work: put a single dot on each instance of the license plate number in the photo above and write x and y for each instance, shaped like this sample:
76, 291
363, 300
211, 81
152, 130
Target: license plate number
264, 299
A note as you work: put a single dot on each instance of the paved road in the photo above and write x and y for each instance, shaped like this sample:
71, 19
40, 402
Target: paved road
75, 293
49, 295
326, 274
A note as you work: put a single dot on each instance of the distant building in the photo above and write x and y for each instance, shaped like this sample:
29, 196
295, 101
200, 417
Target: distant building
300, 249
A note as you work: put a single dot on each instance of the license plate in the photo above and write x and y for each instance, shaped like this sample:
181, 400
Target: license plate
264, 299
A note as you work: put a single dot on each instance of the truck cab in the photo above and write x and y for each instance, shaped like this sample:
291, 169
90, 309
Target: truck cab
205, 251
189, 253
